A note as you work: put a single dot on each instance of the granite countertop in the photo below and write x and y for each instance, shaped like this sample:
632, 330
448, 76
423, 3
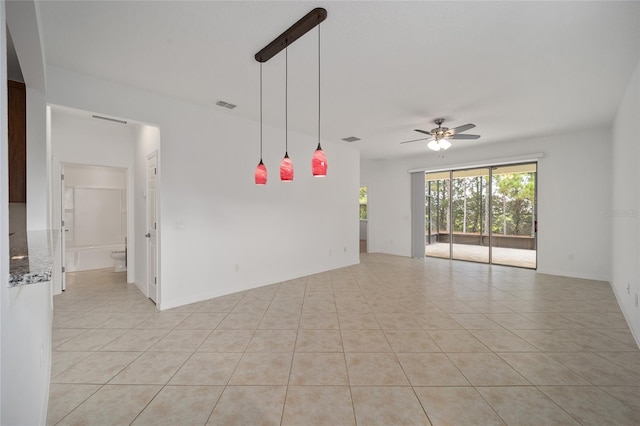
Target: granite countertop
31, 258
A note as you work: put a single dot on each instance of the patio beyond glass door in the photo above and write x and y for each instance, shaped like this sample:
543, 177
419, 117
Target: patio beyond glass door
485, 215
437, 214
513, 215
470, 234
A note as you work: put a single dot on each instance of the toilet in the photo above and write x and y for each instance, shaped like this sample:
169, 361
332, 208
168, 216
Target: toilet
120, 257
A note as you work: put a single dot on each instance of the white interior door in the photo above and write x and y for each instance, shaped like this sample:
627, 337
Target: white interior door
152, 227
63, 231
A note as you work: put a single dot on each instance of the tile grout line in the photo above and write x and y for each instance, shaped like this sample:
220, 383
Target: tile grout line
293, 354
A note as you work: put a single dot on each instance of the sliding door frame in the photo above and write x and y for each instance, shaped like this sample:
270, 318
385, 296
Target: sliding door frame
490, 208
490, 213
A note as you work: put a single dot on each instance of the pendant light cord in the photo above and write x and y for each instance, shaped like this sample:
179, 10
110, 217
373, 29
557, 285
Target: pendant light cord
319, 83
260, 111
286, 100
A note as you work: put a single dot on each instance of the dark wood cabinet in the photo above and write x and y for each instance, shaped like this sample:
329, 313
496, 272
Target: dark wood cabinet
17, 111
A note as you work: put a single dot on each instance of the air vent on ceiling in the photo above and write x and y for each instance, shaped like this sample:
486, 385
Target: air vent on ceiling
351, 139
115, 120
226, 104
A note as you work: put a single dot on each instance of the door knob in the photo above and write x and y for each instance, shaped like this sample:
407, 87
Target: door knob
148, 235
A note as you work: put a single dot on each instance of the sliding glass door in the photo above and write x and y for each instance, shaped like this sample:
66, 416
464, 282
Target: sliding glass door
470, 200
513, 213
437, 214
483, 215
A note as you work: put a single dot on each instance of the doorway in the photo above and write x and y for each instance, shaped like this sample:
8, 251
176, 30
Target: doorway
485, 215
94, 217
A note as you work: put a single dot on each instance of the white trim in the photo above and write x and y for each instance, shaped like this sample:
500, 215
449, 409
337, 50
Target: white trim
112, 188
625, 313
559, 273
484, 163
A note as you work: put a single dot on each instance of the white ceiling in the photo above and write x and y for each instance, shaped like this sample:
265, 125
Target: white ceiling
516, 69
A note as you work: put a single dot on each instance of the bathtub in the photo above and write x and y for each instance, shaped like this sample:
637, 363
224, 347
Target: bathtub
83, 258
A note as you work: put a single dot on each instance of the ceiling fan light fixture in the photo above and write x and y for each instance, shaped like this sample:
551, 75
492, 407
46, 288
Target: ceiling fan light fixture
439, 137
434, 145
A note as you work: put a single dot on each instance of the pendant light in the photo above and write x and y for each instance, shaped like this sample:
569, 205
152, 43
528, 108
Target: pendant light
319, 160
260, 174
286, 165
294, 32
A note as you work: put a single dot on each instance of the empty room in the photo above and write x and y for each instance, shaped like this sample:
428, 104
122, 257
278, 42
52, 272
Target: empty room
331, 213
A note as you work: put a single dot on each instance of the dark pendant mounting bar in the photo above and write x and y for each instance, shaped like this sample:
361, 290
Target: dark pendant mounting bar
297, 30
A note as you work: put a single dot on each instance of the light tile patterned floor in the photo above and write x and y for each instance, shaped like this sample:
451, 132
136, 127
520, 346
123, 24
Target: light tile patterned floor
392, 341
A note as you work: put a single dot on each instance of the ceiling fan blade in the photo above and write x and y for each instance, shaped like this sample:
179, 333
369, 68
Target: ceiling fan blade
457, 136
423, 131
415, 140
461, 129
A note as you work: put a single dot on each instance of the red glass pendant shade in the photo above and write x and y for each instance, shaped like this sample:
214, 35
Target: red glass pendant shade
286, 169
319, 163
260, 174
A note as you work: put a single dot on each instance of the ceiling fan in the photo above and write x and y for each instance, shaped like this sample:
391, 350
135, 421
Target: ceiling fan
439, 137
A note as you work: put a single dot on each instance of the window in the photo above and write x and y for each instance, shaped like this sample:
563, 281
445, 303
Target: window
363, 203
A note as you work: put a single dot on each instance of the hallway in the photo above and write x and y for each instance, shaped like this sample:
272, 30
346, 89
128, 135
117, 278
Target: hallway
390, 341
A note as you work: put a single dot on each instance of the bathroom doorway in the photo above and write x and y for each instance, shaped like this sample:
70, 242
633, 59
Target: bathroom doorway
94, 213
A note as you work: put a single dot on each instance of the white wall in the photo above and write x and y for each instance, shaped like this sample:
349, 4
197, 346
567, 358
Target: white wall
625, 205
26, 312
388, 206
236, 235
95, 176
17, 217
573, 194
77, 138
37, 161
363, 229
